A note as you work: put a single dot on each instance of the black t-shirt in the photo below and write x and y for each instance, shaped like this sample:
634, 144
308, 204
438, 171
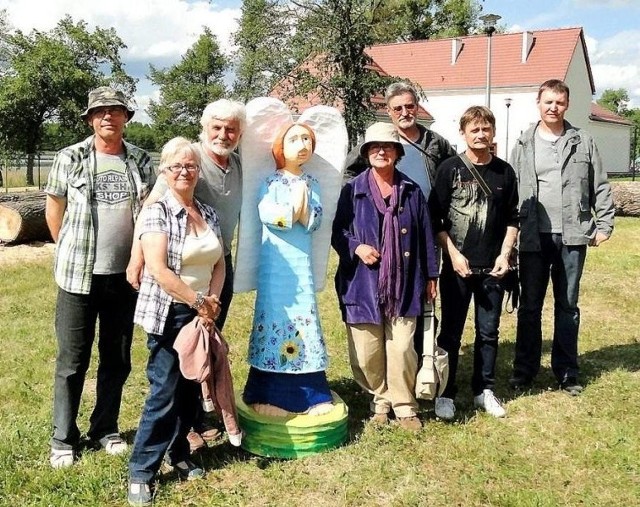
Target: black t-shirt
475, 223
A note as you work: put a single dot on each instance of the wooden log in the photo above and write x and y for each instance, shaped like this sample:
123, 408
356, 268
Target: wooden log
22, 218
626, 198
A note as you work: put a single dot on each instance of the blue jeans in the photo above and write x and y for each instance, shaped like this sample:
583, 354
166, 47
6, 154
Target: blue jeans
169, 408
564, 264
111, 301
456, 293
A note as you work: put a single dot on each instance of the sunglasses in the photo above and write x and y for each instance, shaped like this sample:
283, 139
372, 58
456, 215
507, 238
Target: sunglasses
408, 107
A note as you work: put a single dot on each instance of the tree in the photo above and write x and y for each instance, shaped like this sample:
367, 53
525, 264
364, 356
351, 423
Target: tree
263, 54
186, 88
142, 135
615, 100
47, 77
318, 47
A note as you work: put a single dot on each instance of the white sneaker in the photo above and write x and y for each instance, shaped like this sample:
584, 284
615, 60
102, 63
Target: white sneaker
61, 458
489, 403
113, 444
445, 409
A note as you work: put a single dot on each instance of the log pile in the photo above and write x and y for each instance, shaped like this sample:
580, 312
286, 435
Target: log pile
626, 198
22, 218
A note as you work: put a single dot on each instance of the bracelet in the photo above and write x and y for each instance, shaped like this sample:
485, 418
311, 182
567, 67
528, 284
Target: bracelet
199, 302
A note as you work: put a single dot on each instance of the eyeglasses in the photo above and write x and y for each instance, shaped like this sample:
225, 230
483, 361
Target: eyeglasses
376, 147
408, 107
178, 168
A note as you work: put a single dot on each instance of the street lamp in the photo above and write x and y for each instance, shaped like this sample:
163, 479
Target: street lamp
489, 21
507, 102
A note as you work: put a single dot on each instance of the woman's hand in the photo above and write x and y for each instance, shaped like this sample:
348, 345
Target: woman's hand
432, 290
367, 254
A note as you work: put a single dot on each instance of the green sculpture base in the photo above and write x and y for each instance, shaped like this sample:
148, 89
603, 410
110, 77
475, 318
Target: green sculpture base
294, 436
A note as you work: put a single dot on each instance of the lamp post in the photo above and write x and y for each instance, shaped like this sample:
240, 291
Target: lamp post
507, 102
489, 21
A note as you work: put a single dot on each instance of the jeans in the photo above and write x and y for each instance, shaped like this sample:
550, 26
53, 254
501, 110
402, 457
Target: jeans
111, 301
169, 408
456, 293
565, 264
226, 295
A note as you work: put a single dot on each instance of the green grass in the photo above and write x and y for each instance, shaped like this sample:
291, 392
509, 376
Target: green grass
550, 450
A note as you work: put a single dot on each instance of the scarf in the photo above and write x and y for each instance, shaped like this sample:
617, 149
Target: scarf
390, 273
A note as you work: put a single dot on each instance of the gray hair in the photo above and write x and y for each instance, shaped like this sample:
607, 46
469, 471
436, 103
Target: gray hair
224, 109
177, 146
399, 88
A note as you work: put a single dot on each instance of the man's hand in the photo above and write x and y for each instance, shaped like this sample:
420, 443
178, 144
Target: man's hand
134, 271
501, 267
598, 239
460, 264
367, 254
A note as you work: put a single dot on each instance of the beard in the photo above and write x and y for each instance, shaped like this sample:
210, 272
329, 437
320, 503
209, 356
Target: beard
219, 149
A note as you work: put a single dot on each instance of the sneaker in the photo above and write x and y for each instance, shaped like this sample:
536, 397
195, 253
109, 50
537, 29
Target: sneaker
489, 403
571, 387
410, 423
445, 409
139, 493
196, 441
188, 470
379, 419
61, 458
210, 434
113, 444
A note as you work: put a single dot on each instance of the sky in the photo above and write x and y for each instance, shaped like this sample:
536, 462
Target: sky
158, 32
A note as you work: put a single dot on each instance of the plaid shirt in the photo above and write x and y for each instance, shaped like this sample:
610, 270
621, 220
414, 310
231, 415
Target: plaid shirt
72, 176
169, 217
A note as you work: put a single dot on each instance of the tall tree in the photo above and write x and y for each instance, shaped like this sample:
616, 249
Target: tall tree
263, 54
317, 47
187, 87
47, 77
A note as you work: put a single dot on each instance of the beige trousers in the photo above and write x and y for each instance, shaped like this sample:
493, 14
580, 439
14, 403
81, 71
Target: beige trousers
384, 363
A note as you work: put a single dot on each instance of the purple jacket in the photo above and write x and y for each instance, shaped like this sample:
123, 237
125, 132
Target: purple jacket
357, 221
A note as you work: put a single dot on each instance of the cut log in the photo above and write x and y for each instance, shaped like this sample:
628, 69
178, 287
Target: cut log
626, 198
22, 218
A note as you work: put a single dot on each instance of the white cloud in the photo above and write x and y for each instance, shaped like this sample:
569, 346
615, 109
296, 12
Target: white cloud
615, 62
155, 32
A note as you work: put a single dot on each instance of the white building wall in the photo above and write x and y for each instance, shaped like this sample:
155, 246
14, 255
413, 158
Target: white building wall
446, 107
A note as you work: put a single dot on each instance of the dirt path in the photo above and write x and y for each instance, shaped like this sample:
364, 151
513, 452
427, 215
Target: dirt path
12, 254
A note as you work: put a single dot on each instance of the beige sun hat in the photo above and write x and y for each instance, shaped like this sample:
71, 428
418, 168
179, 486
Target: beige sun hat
381, 132
106, 96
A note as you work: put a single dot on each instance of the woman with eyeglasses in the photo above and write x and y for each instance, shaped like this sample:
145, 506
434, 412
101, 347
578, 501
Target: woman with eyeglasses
387, 265
183, 276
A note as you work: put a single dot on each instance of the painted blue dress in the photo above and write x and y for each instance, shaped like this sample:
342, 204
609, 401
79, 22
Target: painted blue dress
287, 351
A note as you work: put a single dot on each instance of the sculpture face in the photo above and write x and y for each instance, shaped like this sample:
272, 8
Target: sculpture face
297, 145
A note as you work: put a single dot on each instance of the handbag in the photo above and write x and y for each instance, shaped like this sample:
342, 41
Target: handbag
433, 374
511, 281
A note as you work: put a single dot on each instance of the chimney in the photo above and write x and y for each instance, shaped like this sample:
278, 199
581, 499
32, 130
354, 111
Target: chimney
527, 44
456, 48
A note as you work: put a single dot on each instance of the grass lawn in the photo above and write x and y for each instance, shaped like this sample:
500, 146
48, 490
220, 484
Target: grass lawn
550, 450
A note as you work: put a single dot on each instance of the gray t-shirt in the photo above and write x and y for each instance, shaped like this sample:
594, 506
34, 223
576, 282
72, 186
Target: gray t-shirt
412, 164
547, 163
112, 214
220, 189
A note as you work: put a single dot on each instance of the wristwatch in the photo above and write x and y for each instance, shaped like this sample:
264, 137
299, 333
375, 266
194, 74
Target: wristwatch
197, 304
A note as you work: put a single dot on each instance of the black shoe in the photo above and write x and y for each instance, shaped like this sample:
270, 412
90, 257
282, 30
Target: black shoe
520, 382
570, 386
